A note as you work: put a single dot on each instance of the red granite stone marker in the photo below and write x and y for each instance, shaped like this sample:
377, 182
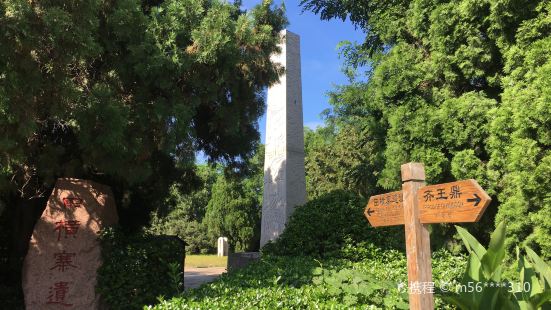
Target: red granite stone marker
60, 268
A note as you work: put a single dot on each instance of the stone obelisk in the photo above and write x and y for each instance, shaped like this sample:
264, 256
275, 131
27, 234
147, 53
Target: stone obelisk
284, 176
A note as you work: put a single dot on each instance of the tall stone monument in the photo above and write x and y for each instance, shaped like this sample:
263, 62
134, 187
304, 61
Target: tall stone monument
284, 176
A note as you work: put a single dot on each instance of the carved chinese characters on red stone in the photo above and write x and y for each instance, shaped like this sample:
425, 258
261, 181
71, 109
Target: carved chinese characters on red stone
72, 202
70, 228
57, 294
64, 254
63, 260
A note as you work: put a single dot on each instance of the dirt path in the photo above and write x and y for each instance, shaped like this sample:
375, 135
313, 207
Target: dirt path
194, 277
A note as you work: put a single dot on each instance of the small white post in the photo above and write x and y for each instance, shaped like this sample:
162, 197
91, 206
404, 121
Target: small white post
223, 246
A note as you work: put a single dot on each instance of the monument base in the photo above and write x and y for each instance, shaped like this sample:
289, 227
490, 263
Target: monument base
242, 259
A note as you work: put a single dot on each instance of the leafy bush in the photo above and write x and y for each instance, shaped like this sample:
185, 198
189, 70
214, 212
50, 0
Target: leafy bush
533, 291
333, 225
301, 282
138, 268
350, 288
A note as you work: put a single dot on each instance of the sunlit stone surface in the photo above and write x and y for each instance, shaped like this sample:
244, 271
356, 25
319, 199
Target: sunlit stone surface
284, 178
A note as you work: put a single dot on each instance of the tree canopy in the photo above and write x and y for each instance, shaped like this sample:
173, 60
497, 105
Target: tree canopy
127, 89
462, 86
125, 93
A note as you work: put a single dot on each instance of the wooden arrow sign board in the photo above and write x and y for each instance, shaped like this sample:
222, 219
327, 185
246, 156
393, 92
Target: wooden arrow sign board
456, 202
416, 205
385, 210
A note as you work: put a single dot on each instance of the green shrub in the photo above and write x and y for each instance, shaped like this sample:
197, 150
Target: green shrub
333, 225
478, 289
350, 288
301, 282
137, 268
195, 234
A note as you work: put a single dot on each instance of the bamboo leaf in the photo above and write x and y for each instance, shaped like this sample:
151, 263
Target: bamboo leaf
472, 245
495, 254
539, 299
540, 266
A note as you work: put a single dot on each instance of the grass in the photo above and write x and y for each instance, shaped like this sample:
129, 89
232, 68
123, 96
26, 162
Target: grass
204, 261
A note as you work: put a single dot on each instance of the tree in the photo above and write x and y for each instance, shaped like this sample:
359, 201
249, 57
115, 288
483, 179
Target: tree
520, 144
230, 213
125, 93
182, 213
234, 209
460, 86
338, 157
227, 202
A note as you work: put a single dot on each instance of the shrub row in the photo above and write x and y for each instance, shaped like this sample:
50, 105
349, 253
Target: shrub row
333, 225
303, 282
137, 268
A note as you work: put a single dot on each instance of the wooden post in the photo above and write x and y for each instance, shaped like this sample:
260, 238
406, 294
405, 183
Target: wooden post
454, 202
417, 240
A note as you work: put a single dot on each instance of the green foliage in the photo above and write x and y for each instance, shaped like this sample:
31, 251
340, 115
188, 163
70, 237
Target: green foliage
235, 205
299, 282
127, 92
350, 288
533, 291
106, 88
225, 203
332, 225
176, 276
182, 214
138, 268
340, 160
195, 234
522, 135
233, 213
462, 86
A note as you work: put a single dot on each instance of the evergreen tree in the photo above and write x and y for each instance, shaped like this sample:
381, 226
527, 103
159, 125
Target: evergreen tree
182, 213
234, 209
224, 203
462, 86
125, 93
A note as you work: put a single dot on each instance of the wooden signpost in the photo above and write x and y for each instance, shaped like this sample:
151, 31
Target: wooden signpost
456, 202
417, 205
386, 209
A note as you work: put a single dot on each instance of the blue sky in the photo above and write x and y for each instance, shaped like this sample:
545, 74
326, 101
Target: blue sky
321, 66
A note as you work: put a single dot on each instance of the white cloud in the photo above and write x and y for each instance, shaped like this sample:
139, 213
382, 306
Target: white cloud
313, 125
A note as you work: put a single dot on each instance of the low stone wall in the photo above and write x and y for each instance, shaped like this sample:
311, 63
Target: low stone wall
242, 259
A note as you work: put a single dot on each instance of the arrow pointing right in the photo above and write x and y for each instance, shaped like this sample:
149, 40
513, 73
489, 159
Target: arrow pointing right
465, 203
476, 200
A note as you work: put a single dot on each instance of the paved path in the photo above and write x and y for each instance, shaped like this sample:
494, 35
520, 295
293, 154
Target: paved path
194, 277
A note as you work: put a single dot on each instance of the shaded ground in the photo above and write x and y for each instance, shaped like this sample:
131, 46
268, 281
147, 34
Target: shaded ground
194, 277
